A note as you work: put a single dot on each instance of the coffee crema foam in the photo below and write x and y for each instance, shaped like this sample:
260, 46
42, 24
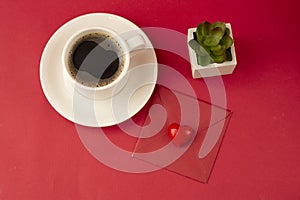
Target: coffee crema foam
101, 59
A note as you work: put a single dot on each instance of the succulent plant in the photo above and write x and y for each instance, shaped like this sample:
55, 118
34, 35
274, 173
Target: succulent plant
212, 43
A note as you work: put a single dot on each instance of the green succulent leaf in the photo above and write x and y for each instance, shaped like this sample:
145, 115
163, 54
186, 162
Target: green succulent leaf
227, 41
203, 60
198, 48
203, 29
214, 37
206, 28
199, 33
215, 48
220, 51
211, 41
219, 58
193, 44
217, 33
227, 31
220, 25
201, 38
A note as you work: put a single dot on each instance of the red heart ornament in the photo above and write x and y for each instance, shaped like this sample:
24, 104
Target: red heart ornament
180, 135
172, 130
183, 136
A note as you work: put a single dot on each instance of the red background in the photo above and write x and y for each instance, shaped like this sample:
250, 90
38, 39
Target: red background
42, 157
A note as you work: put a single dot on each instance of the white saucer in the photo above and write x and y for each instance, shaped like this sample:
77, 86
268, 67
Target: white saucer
98, 113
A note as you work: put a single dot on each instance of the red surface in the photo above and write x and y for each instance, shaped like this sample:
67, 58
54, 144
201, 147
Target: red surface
41, 156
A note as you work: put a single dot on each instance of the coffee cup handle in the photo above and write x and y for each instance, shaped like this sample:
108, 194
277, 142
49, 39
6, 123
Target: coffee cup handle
135, 42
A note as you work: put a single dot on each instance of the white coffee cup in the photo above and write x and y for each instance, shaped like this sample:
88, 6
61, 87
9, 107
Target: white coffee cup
127, 45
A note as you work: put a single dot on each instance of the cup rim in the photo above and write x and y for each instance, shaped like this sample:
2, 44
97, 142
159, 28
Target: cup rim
71, 42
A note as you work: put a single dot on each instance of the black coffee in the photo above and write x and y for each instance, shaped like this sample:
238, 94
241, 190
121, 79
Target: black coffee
96, 59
